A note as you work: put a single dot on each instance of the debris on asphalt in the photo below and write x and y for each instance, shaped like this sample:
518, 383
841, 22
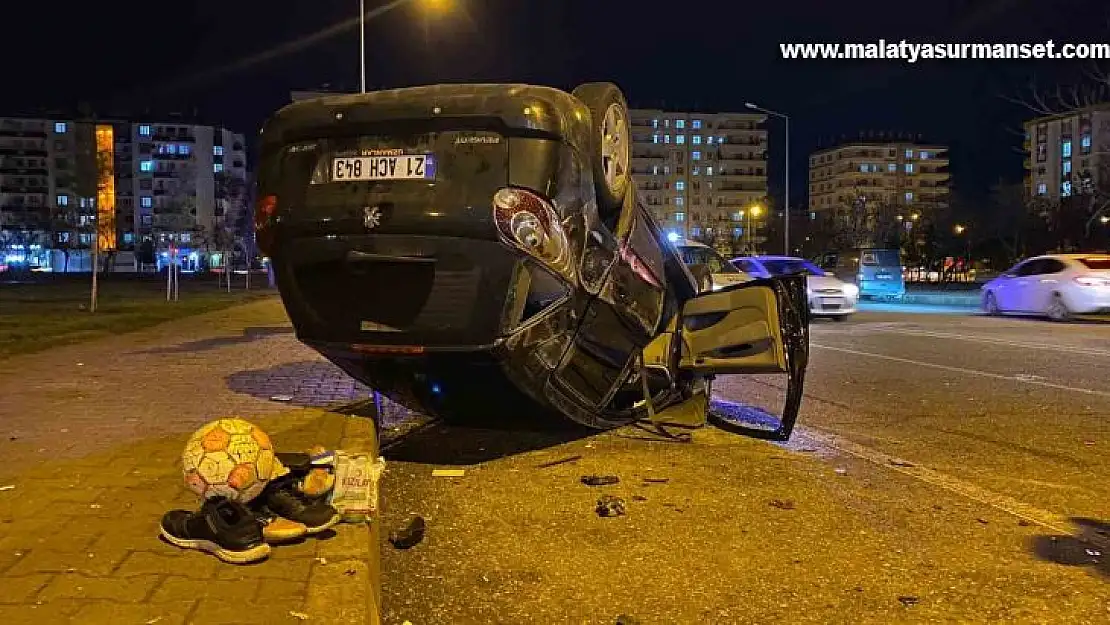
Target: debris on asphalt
350, 572
1024, 523
600, 480
1087, 443
281, 398
639, 498
556, 463
609, 506
782, 504
94, 506
321, 561
300, 616
656, 480
908, 600
154, 620
12, 438
901, 463
983, 521
448, 472
7, 487
625, 619
409, 534
1094, 552
841, 471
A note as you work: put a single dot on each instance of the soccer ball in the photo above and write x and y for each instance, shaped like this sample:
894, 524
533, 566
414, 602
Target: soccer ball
229, 458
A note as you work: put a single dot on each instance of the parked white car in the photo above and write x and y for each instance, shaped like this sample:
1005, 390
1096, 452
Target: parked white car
829, 296
722, 272
1058, 286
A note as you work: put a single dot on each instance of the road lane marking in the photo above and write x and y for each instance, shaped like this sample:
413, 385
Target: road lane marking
997, 341
1019, 378
1049, 520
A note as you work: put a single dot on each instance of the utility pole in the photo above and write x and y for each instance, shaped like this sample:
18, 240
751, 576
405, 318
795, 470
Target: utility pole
95, 261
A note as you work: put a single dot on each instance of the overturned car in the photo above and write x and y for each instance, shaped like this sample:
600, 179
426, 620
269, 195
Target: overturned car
480, 251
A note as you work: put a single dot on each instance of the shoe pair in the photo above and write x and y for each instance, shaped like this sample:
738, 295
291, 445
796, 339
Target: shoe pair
239, 534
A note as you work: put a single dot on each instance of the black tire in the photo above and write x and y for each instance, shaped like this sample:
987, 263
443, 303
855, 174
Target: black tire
599, 97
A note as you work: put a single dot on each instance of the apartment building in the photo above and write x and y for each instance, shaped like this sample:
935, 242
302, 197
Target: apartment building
1068, 154
702, 173
135, 181
910, 175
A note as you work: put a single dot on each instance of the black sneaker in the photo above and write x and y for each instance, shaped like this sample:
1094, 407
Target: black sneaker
281, 498
224, 528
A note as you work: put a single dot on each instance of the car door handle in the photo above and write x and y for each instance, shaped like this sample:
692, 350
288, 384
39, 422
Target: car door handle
355, 256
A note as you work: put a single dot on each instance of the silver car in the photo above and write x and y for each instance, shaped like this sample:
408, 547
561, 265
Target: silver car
828, 295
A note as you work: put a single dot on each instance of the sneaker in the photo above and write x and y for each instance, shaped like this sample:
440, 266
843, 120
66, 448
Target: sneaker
280, 498
224, 528
276, 530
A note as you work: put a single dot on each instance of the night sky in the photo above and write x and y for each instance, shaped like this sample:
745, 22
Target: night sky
126, 56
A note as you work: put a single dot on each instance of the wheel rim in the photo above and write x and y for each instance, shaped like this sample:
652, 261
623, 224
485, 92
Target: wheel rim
1056, 310
992, 304
614, 147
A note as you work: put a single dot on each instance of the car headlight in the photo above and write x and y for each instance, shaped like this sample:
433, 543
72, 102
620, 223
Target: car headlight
851, 291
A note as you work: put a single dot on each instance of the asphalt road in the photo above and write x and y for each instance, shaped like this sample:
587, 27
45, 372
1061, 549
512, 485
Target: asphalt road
948, 468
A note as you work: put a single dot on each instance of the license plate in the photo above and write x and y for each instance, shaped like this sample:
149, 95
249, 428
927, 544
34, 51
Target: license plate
402, 167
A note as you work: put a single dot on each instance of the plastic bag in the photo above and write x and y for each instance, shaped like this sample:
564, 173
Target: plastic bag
355, 495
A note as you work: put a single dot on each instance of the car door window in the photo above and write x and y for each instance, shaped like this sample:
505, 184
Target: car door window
1052, 265
747, 266
1029, 268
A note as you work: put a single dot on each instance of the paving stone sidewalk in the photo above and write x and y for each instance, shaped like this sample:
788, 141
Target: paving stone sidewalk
92, 437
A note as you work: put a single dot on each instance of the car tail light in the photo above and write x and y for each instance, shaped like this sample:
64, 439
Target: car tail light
1093, 281
529, 223
264, 211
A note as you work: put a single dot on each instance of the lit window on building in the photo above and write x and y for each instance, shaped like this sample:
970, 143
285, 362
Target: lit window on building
666, 123
721, 139
128, 237
680, 201
217, 168
146, 166
696, 139
171, 148
655, 123
146, 201
184, 149
680, 139
924, 155
680, 123
144, 130
680, 185
696, 156
696, 171
909, 196
666, 170
680, 216
709, 139
1085, 144
695, 231
1065, 148
737, 232
909, 153
709, 172
1067, 168
63, 200
60, 127
218, 150
864, 168
738, 216
909, 168
666, 138
892, 167
697, 124
655, 138
654, 170
1065, 188
1042, 189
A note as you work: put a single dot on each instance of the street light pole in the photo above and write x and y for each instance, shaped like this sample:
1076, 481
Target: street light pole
362, 44
786, 208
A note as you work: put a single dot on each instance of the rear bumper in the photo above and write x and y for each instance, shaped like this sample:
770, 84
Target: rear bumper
1088, 300
440, 293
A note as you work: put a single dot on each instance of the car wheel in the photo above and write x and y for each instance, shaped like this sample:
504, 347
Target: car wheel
990, 304
1057, 309
610, 144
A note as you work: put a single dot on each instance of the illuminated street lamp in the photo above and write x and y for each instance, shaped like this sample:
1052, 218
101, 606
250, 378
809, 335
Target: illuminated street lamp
753, 213
914, 217
786, 212
1105, 219
959, 229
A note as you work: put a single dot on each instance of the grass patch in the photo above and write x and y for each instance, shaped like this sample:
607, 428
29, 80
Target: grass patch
49, 312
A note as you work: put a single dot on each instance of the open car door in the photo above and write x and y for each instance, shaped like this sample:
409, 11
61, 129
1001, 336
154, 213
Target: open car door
758, 327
